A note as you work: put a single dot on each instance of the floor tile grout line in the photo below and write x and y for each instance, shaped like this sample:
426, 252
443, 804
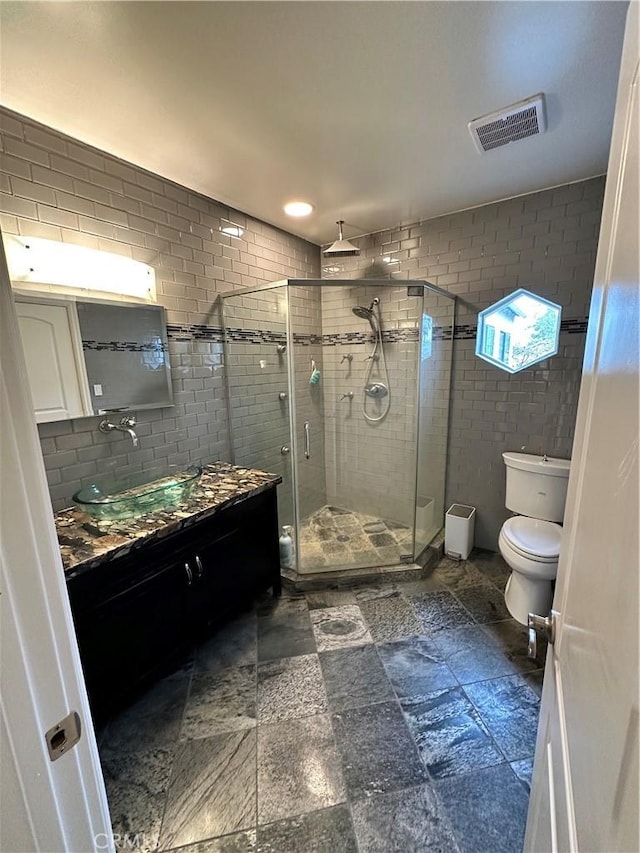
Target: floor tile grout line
174, 749
484, 721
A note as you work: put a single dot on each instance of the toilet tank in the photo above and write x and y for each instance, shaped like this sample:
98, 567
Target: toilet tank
536, 485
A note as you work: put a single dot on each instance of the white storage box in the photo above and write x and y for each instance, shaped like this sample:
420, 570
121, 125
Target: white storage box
459, 524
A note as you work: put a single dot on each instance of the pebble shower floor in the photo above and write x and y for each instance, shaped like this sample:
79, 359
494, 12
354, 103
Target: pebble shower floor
334, 536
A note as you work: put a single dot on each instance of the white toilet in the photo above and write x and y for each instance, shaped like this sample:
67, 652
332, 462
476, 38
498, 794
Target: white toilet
530, 541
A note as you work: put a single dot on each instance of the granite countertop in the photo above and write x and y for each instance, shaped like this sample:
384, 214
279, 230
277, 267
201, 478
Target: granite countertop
86, 542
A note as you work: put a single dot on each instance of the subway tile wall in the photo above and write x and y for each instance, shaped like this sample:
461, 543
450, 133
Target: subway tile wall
371, 467
54, 187
57, 188
545, 242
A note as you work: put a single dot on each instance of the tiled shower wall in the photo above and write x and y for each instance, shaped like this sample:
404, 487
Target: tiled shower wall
545, 242
371, 466
57, 188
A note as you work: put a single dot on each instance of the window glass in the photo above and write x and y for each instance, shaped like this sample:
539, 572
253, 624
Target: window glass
520, 330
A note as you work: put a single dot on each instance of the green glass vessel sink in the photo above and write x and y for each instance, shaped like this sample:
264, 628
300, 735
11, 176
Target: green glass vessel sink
139, 493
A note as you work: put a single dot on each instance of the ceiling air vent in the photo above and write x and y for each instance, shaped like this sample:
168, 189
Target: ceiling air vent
525, 118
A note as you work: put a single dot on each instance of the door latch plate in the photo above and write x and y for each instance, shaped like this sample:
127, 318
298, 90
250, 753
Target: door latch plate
63, 736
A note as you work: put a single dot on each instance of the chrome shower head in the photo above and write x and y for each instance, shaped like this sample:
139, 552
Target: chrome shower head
362, 312
367, 314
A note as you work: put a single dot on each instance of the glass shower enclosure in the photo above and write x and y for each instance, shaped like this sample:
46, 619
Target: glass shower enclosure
342, 388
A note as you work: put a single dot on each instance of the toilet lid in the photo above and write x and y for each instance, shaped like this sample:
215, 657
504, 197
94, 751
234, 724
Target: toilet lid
533, 537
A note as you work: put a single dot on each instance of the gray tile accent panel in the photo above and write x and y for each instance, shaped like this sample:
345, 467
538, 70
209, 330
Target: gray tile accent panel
509, 709
339, 627
233, 645
409, 821
285, 635
378, 752
354, 677
213, 789
328, 830
290, 688
220, 702
137, 784
415, 667
472, 656
390, 618
488, 813
298, 769
152, 721
450, 734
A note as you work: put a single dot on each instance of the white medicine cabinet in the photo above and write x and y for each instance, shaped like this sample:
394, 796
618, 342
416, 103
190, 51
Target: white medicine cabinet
92, 357
53, 352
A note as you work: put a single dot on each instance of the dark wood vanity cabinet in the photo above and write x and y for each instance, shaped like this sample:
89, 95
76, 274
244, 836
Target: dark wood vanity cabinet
138, 615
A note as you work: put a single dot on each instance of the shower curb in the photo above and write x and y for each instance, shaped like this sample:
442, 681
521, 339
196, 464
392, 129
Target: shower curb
349, 578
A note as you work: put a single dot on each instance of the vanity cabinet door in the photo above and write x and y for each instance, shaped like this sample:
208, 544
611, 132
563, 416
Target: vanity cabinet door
236, 556
138, 615
128, 637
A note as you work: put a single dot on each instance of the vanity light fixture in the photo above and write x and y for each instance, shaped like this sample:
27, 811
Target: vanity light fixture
55, 266
298, 208
231, 229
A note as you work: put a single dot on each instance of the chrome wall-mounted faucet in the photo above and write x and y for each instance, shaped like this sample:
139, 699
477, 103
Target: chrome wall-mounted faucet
126, 424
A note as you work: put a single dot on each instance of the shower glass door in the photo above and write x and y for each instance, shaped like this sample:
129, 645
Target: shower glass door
258, 387
354, 367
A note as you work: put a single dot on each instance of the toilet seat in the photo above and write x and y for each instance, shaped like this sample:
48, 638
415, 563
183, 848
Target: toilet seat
532, 538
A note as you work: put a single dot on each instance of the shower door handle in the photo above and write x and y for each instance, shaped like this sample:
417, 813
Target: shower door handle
307, 440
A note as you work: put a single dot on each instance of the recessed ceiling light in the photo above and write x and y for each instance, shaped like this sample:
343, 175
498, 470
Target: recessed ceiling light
298, 208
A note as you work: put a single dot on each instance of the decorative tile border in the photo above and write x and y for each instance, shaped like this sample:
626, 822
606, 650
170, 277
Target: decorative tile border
577, 326
123, 346
460, 332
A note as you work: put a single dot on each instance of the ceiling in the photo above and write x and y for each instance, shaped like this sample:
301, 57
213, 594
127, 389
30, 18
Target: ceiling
358, 107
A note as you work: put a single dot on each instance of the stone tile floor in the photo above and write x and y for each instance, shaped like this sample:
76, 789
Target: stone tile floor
334, 536
384, 718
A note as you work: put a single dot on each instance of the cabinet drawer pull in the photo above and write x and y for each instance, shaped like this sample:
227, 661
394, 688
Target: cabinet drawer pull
199, 567
187, 569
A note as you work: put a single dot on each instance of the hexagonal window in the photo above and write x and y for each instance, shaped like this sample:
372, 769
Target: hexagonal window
520, 330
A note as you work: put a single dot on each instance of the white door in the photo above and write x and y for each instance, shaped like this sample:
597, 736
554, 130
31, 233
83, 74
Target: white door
585, 785
54, 806
47, 330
